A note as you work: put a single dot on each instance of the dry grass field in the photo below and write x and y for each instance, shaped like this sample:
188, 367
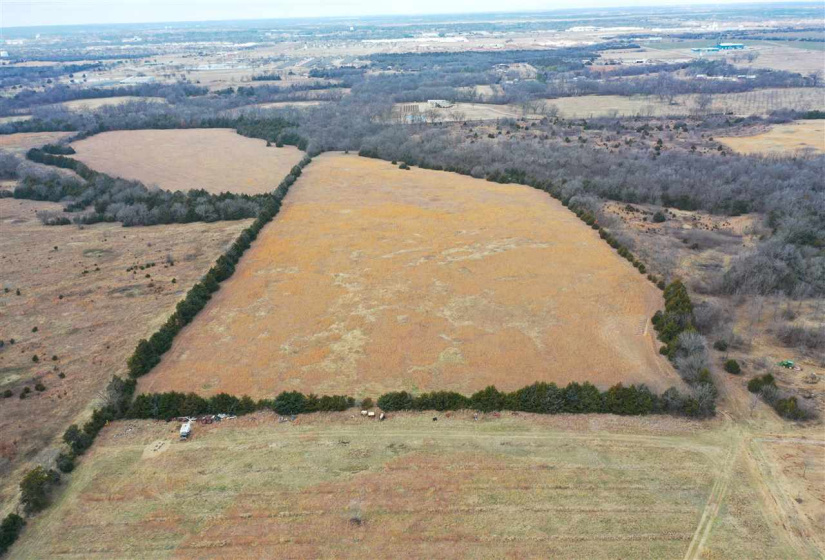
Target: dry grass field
782, 139
468, 111
757, 102
87, 310
91, 104
373, 278
339, 486
24, 141
216, 160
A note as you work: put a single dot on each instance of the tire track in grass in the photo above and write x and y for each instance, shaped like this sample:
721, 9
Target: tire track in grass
715, 500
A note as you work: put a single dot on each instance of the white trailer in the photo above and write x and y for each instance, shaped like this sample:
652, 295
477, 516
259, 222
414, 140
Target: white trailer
185, 430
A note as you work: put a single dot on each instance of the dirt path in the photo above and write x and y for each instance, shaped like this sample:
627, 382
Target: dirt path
717, 497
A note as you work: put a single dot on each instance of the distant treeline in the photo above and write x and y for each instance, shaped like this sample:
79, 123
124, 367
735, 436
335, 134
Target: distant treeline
29, 98
266, 78
22, 75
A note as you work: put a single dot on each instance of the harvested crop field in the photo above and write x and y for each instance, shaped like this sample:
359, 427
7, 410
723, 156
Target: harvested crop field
81, 312
373, 278
339, 486
214, 159
782, 139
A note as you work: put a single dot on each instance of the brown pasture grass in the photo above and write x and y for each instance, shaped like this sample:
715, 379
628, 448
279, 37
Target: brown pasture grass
756, 102
216, 160
782, 139
339, 486
96, 324
374, 278
24, 141
91, 104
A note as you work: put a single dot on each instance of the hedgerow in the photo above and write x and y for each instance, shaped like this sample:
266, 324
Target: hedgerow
165, 406
546, 398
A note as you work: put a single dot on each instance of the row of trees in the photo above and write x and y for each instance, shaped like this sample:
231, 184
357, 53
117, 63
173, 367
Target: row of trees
540, 398
148, 351
548, 398
172, 404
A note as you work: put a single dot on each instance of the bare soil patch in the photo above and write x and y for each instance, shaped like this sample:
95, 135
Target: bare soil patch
373, 278
217, 160
79, 303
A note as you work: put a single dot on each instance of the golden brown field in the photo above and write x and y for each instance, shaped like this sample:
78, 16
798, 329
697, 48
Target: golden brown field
216, 160
339, 486
782, 139
373, 279
88, 311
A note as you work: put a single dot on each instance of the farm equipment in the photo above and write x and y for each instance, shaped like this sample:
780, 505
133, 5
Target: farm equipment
789, 364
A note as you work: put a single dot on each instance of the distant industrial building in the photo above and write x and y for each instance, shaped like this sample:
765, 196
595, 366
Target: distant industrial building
720, 47
440, 103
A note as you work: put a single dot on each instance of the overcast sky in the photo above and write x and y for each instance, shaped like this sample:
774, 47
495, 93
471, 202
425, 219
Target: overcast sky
15, 13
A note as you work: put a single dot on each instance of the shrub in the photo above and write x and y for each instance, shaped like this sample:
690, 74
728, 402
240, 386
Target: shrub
720, 345
756, 384
488, 399
732, 366
9, 531
77, 440
8, 393
789, 408
36, 488
367, 403
441, 400
65, 462
289, 403
395, 400
39, 387
659, 217
35, 359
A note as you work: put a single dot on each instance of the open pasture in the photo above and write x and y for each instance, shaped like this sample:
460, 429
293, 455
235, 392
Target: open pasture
216, 160
339, 486
758, 102
782, 139
95, 103
22, 142
86, 298
374, 278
